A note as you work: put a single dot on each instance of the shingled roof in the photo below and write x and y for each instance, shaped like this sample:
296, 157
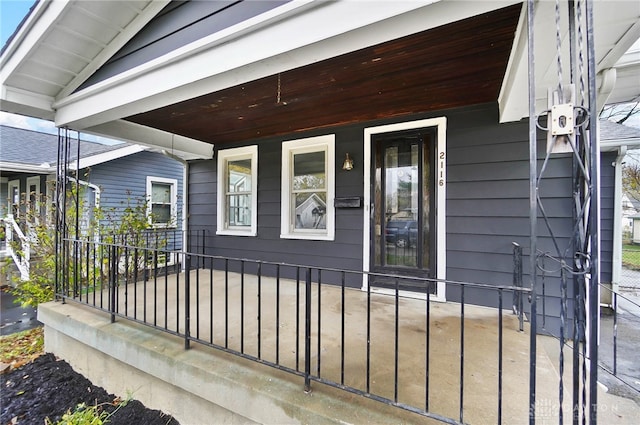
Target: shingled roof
30, 147
610, 130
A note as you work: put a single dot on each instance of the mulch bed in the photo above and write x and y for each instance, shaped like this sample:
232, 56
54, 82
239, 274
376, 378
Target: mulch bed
48, 388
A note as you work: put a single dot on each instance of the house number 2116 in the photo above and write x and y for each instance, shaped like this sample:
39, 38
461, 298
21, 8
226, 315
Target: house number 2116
441, 169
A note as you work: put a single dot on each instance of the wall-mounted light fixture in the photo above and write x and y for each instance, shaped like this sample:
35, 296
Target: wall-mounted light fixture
348, 163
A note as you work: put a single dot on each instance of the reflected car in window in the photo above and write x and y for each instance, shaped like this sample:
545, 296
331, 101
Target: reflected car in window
402, 233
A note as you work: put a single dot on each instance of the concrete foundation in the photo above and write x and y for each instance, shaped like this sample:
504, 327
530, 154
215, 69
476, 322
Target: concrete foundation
203, 385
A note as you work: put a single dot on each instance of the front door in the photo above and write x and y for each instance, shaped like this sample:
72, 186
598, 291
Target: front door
403, 195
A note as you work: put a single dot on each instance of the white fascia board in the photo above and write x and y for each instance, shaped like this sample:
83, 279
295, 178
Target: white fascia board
44, 17
100, 158
181, 146
164, 81
17, 167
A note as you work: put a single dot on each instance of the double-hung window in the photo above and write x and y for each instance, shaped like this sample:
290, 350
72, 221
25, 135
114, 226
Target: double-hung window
162, 201
308, 188
237, 191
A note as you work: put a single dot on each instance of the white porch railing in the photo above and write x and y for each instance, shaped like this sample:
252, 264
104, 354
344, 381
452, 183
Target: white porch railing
22, 257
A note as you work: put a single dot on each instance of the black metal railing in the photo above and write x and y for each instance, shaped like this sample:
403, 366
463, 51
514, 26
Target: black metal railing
620, 332
316, 323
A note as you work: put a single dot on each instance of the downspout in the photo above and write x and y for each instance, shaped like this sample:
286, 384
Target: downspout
616, 266
185, 198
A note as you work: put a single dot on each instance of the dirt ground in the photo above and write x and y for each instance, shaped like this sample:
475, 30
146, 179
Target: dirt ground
48, 388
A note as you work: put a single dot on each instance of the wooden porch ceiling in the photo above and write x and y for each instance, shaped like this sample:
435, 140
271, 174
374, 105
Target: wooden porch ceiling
455, 65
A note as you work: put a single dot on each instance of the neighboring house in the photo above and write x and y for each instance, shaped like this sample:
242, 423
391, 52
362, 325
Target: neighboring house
630, 207
635, 229
428, 98
111, 177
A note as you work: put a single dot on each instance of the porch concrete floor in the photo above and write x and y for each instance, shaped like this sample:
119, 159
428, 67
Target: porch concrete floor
249, 321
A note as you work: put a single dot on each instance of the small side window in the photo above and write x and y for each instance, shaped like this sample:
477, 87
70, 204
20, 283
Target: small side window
162, 201
237, 191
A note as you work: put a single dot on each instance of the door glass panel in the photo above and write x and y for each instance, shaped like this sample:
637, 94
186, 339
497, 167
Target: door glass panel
401, 205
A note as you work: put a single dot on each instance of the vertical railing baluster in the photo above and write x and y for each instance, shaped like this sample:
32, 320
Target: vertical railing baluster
226, 303
187, 302
396, 339
155, 288
368, 369
136, 263
307, 332
319, 320
615, 333
87, 250
278, 314
462, 353
427, 346
259, 309
113, 282
242, 306
101, 272
298, 319
211, 300
500, 355
342, 308
197, 271
126, 277
166, 272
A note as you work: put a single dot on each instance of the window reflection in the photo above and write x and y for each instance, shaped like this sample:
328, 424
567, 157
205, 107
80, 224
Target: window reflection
239, 192
309, 190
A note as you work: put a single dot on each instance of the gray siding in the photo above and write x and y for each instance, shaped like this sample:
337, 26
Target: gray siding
177, 25
607, 190
123, 181
487, 205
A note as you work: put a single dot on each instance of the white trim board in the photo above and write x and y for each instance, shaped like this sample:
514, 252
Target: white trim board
441, 249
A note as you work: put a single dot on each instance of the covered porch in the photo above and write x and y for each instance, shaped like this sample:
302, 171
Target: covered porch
235, 341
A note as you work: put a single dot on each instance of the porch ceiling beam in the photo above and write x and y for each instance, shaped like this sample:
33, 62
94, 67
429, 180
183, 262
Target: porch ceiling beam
181, 146
163, 81
23, 102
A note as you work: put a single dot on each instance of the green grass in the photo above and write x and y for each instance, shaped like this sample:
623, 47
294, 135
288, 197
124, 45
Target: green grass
631, 256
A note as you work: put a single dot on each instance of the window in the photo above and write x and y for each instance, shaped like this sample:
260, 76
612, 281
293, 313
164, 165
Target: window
308, 188
237, 191
162, 197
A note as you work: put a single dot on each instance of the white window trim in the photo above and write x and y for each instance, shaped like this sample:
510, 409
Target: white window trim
440, 124
174, 201
311, 144
10, 200
224, 157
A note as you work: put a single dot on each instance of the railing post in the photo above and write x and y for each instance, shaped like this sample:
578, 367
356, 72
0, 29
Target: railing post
187, 296
307, 332
113, 282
